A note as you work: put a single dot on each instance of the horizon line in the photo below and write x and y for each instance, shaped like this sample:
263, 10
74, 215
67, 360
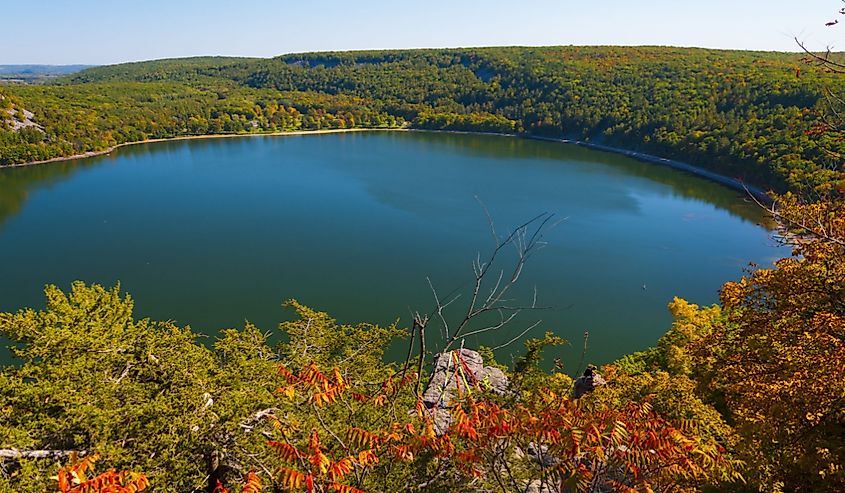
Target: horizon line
418, 48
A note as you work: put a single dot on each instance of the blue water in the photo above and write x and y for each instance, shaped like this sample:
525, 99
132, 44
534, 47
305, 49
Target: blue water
213, 232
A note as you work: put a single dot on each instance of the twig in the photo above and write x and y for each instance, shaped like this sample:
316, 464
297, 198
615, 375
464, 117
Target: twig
823, 60
525, 245
580, 366
420, 322
500, 346
410, 349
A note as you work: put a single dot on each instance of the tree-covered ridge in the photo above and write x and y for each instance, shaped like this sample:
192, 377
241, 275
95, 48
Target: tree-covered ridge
96, 116
741, 113
693, 104
157, 70
744, 114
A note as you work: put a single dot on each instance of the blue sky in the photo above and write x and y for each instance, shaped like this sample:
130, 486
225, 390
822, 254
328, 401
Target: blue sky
99, 32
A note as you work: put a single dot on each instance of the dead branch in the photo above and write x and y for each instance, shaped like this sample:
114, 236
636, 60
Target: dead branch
420, 321
818, 226
249, 423
492, 296
12, 453
518, 336
823, 60
410, 348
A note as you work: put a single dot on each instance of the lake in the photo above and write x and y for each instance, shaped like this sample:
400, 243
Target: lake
213, 232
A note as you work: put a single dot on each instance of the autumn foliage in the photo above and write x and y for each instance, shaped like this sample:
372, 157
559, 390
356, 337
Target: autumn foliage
78, 477
488, 443
779, 360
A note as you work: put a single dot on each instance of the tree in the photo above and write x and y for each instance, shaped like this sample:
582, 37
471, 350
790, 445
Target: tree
779, 361
321, 413
142, 394
774, 360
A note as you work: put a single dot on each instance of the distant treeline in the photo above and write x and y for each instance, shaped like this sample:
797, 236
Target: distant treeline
12, 70
744, 114
33, 74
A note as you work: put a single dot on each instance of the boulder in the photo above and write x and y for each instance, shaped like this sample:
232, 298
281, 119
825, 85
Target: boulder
458, 372
588, 382
541, 455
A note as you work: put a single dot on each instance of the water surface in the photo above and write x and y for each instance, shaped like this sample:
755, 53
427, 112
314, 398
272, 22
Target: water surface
213, 232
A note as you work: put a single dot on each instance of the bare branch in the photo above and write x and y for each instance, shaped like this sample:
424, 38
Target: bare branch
504, 321
518, 336
525, 245
489, 220
584, 351
260, 464
440, 307
807, 224
249, 423
822, 60
419, 323
410, 348
326, 427
526, 239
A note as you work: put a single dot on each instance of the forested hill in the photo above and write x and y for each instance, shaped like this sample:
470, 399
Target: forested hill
743, 114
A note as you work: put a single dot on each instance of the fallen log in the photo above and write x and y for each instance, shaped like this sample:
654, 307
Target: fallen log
12, 453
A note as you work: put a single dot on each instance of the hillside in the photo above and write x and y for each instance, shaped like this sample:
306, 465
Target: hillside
742, 114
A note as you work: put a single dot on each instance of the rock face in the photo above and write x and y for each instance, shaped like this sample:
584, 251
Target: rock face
21, 119
459, 371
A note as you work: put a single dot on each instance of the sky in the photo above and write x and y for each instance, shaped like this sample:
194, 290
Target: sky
114, 31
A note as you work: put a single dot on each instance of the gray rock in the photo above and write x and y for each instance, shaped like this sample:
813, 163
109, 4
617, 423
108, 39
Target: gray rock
453, 372
539, 486
541, 455
21, 119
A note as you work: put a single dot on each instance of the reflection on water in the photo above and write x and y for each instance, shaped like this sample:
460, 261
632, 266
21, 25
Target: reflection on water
17, 183
212, 232
682, 185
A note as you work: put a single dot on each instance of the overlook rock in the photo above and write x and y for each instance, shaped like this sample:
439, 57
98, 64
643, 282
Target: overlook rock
458, 371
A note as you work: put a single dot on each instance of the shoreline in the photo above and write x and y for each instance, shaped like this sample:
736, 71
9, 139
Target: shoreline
732, 183
89, 154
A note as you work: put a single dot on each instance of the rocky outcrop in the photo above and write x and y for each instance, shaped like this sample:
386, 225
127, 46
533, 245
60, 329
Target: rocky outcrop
21, 119
459, 372
588, 382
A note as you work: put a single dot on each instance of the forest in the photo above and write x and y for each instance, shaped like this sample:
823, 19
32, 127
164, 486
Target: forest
745, 395
751, 115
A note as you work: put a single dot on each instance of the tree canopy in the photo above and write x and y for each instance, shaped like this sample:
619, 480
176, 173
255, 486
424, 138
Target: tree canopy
751, 115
